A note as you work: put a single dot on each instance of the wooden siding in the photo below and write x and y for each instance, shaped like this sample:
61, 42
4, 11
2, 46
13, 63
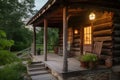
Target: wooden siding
102, 31
75, 48
116, 39
73, 42
60, 44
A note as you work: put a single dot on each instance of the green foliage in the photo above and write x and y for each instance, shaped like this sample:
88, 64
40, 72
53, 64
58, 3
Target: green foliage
52, 37
87, 57
7, 57
12, 71
23, 39
4, 43
12, 20
2, 34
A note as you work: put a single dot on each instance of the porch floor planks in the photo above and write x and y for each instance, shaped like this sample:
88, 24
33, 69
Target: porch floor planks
55, 62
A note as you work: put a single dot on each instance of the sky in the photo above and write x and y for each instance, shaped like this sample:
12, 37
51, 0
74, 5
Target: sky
39, 3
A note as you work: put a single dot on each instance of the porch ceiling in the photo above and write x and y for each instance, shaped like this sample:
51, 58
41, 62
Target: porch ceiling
52, 10
55, 19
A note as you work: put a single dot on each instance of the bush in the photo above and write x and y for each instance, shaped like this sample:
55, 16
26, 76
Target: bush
12, 71
7, 57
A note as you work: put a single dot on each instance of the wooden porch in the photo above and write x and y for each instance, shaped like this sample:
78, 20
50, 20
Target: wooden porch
55, 64
69, 16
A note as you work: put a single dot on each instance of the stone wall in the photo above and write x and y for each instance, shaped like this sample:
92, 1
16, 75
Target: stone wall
92, 76
89, 75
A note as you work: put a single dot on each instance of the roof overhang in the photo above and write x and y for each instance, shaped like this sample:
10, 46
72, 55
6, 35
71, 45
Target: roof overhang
53, 10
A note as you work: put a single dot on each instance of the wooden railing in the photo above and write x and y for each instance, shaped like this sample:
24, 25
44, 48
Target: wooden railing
24, 52
28, 51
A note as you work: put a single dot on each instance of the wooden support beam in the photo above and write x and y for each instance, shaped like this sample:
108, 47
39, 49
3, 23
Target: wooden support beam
34, 40
82, 39
45, 39
65, 26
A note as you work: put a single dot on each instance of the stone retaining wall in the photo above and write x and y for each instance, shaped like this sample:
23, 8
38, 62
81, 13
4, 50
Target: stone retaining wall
96, 76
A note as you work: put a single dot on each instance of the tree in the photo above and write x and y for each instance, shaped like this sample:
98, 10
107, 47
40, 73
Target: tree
23, 39
4, 43
12, 16
52, 37
5, 55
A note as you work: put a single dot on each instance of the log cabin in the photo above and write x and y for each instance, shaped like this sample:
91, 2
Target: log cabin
77, 31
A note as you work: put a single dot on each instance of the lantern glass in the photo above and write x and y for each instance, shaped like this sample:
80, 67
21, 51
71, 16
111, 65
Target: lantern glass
92, 16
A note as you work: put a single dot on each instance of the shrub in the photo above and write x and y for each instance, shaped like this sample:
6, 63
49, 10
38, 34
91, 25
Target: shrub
7, 57
12, 71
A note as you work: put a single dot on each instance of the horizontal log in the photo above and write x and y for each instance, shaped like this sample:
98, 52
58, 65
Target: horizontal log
75, 49
77, 40
103, 20
116, 42
76, 36
106, 50
102, 33
117, 39
107, 44
116, 46
60, 40
106, 53
116, 32
75, 52
61, 44
76, 44
61, 36
117, 25
103, 26
116, 53
107, 38
60, 48
117, 21
108, 47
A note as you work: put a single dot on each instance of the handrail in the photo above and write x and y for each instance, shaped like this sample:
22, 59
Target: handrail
24, 52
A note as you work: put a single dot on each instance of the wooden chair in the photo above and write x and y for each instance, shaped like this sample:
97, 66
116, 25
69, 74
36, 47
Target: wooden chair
98, 48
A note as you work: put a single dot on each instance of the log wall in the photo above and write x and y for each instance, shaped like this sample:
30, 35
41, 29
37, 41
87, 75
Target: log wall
75, 47
60, 44
102, 31
116, 39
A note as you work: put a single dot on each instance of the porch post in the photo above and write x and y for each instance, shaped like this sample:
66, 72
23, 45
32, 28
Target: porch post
65, 26
34, 40
45, 39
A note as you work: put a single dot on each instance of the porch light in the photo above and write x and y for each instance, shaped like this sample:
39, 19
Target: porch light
92, 16
75, 31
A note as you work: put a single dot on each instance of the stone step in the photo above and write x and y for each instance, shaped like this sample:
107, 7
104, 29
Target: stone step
36, 65
43, 77
33, 73
36, 62
36, 68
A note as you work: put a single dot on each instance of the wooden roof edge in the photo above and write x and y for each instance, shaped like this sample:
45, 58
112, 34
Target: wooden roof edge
41, 11
52, 2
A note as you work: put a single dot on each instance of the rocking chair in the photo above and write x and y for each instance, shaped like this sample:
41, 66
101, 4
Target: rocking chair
97, 50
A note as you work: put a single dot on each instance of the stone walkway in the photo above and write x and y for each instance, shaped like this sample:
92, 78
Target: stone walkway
37, 71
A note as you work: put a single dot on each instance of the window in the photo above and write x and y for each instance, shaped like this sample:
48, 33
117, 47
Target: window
87, 35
